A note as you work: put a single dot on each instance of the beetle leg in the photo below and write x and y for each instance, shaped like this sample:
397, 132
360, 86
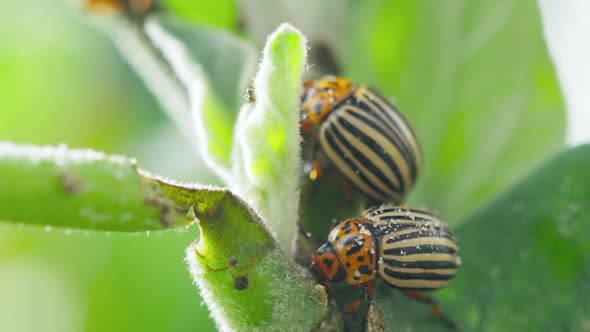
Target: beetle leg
369, 297
347, 189
367, 294
316, 169
436, 312
351, 307
328, 286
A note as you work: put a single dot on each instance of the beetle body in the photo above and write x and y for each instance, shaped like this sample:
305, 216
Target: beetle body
363, 135
408, 249
416, 250
354, 247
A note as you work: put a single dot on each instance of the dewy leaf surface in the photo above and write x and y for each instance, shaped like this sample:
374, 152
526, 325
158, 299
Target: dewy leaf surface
525, 258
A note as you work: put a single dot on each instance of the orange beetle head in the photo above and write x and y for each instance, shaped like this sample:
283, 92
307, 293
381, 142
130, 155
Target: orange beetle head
326, 264
319, 98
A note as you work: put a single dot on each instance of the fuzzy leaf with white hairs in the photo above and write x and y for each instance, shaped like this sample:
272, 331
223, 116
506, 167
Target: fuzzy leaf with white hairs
244, 276
81, 189
268, 157
242, 273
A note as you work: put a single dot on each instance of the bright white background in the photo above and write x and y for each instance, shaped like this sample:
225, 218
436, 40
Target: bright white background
567, 30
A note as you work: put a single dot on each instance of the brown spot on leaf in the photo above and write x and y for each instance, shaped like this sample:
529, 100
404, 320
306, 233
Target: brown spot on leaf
151, 202
241, 283
70, 184
166, 216
232, 261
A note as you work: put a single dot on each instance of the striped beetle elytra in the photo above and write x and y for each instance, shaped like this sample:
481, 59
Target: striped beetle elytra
363, 135
408, 249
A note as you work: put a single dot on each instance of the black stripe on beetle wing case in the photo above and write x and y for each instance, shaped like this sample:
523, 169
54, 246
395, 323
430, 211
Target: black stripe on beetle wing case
417, 259
398, 125
398, 119
369, 151
416, 250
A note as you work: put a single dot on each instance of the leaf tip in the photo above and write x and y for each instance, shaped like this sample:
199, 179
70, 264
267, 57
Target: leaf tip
286, 40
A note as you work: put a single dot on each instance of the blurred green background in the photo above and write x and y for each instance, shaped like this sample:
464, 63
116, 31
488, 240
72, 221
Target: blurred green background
487, 106
62, 81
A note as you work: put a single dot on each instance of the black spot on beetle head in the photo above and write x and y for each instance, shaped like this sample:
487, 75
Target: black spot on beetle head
318, 108
364, 269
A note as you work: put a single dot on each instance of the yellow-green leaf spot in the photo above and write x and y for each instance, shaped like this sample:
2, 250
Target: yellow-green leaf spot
276, 139
261, 167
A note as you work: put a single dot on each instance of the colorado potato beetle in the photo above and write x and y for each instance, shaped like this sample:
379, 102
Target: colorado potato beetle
408, 249
363, 135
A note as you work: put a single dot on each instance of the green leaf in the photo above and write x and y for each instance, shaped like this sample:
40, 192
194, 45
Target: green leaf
486, 105
82, 189
86, 189
526, 258
221, 13
236, 263
267, 152
243, 275
199, 76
